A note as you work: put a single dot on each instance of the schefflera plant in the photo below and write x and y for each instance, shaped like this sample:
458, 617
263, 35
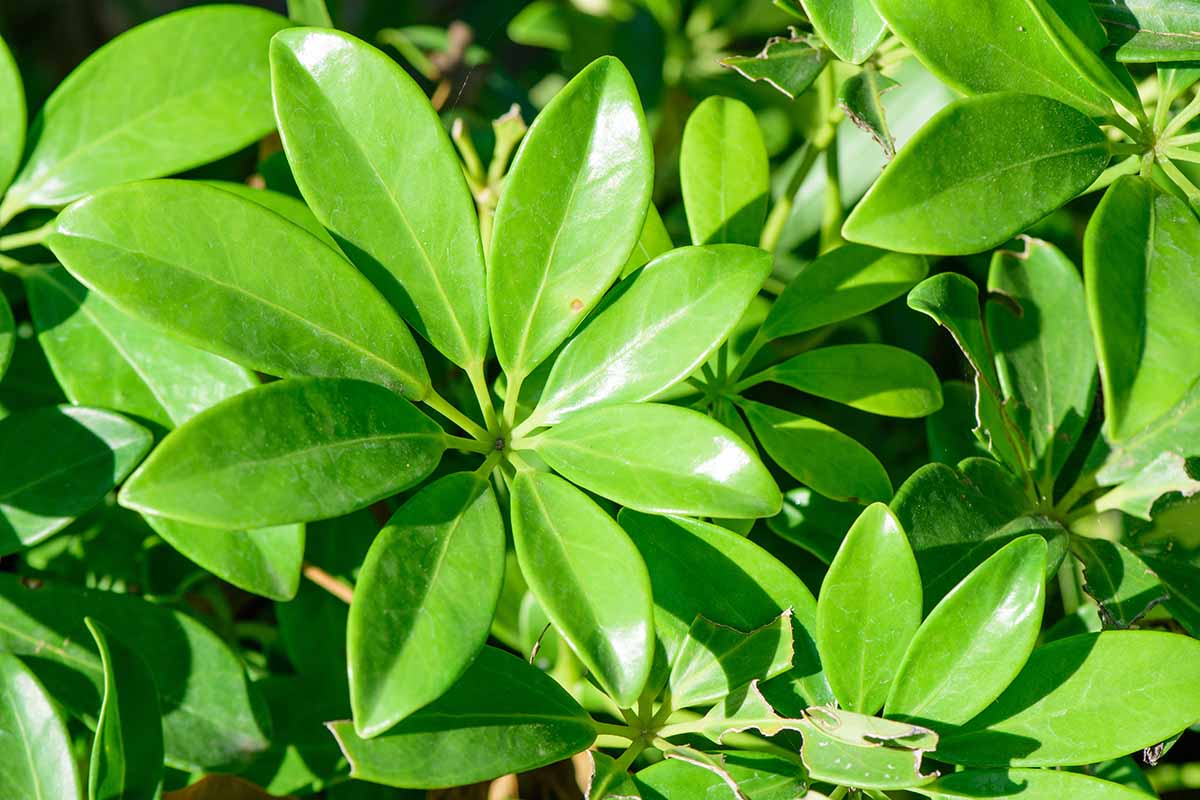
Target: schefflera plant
329, 314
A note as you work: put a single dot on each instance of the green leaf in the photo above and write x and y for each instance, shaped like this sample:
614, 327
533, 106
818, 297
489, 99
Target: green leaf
589, 578
680, 308
741, 710
501, 716
1059, 709
58, 463
995, 164
238, 464
1022, 53
103, 357
864, 624
843, 283
1144, 298
861, 98
375, 164
870, 766
819, 456
1124, 587
660, 459
127, 753
1181, 578
8, 334
541, 23
851, 28
865, 731
759, 776
424, 600
1026, 784
1151, 30
698, 569
948, 431
1137, 496
309, 12
12, 111
609, 780
812, 521
238, 280
715, 660
572, 209
653, 241
723, 173
1173, 435
876, 378
181, 90
203, 730
789, 64
36, 761
1044, 355
286, 206
975, 640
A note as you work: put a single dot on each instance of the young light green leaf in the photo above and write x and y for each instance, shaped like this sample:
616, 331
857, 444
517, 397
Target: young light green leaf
424, 600
653, 241
715, 660
309, 12
1151, 30
659, 459
680, 308
1173, 435
995, 164
1137, 496
1022, 54
1151, 676
1044, 355
571, 553
572, 209
12, 111
851, 28
608, 780
36, 761
819, 456
377, 168
203, 730
975, 640
742, 710
238, 280
861, 98
788, 63
179, 91
863, 730
871, 377
688, 559
723, 173
868, 610
1143, 298
870, 766
8, 334
127, 753
760, 776
843, 283
59, 462
1124, 588
237, 464
103, 357
501, 716
1025, 784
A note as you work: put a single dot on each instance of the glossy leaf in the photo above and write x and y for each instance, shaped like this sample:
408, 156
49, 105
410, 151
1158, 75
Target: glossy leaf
870, 766
876, 378
103, 357
1151, 30
571, 212
680, 308
1124, 587
715, 660
1044, 355
127, 753
285, 205
1022, 53
1143, 298
589, 578
377, 168
237, 465
58, 463
684, 462
238, 280
608, 780
789, 64
861, 98
1076, 683
851, 28
8, 334
36, 761
1172, 436
202, 730
759, 776
843, 283
501, 716
688, 559
179, 91
995, 164
819, 456
864, 625
424, 600
723, 173
1026, 784
975, 640
1166, 474
653, 241
12, 110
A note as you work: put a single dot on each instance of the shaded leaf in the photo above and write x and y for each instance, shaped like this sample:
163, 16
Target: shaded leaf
12, 110
714, 660
1025, 784
851, 28
723, 173
759, 776
861, 98
1151, 30
652, 242
36, 761
788, 63
1124, 588
874, 766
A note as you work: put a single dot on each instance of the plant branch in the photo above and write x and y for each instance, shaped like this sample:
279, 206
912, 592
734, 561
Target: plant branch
610, 729
440, 405
1189, 113
478, 381
15, 241
335, 586
1179, 179
743, 363
470, 445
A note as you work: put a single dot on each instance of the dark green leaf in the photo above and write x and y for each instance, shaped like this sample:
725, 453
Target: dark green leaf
1151, 30
790, 64
36, 761
759, 776
812, 521
1026, 784
1123, 586
541, 23
851, 28
1181, 578
12, 110
501, 716
715, 660
8, 334
861, 98
949, 430
424, 600
723, 172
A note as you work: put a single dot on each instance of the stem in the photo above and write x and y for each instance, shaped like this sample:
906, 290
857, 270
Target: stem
752, 381
743, 363
1125, 148
838, 793
610, 729
520, 463
723, 362
28, 238
1180, 180
626, 758
489, 464
774, 286
466, 149
773, 228
512, 396
831, 219
335, 586
470, 445
1182, 154
483, 396
440, 405
1189, 113
1069, 586
1083, 485
10, 265
1126, 127
1184, 140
